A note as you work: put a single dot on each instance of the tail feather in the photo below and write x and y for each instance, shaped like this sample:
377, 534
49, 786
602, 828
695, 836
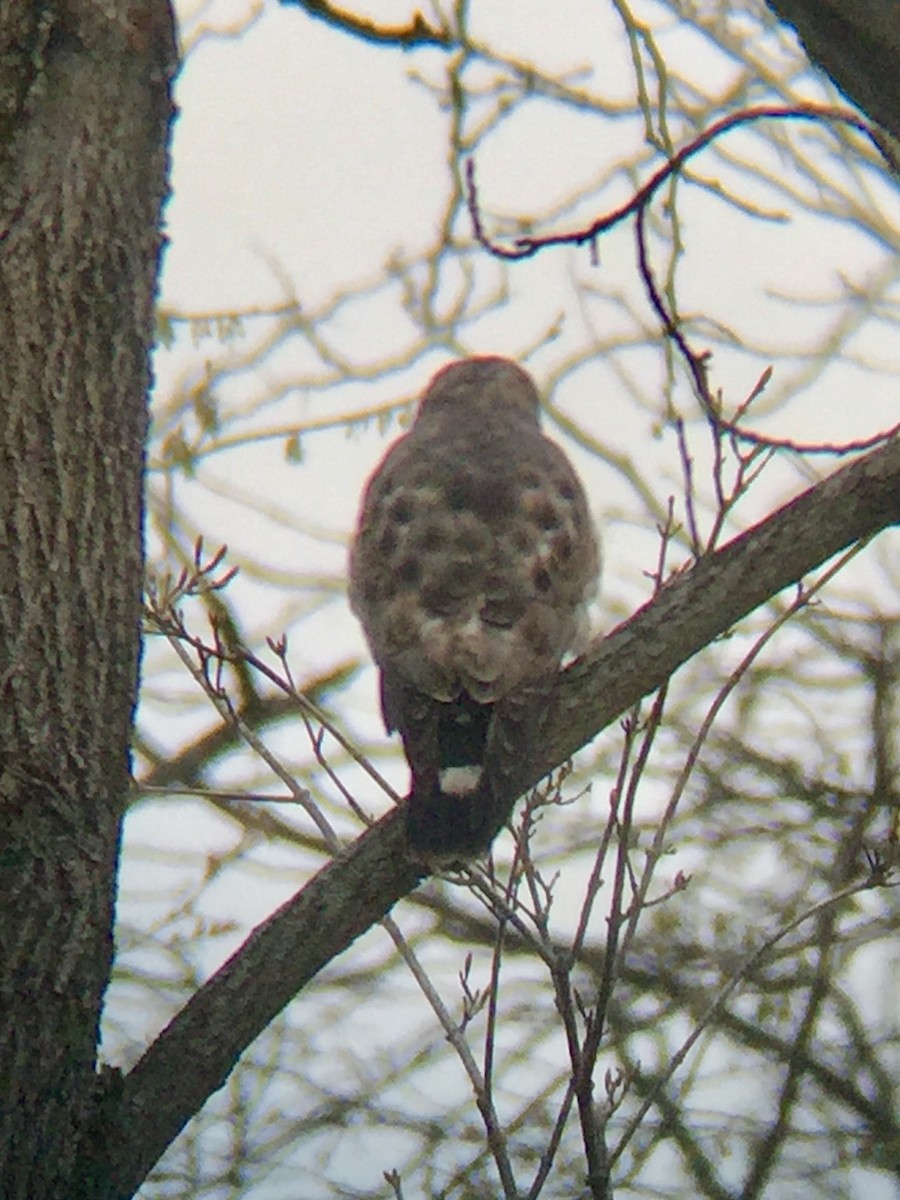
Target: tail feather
449, 812
466, 758
442, 829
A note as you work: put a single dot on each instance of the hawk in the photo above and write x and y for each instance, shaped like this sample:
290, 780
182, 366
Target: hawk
470, 571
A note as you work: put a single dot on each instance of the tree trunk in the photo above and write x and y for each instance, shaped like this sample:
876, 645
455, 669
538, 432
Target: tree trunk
84, 114
857, 43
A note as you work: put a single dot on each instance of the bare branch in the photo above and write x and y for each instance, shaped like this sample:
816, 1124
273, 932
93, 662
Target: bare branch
637, 206
417, 33
528, 246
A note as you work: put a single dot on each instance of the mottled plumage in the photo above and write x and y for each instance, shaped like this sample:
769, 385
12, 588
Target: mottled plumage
470, 570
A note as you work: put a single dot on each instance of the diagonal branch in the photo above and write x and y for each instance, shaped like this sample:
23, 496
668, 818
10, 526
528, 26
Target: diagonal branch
855, 502
194, 1055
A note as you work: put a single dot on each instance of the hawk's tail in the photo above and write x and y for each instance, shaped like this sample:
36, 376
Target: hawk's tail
450, 815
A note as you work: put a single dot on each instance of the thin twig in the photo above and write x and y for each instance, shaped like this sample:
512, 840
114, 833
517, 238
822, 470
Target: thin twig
227, 713
876, 878
493, 1127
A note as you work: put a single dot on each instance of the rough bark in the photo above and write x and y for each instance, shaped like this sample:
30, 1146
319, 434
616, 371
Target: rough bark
84, 113
357, 889
857, 43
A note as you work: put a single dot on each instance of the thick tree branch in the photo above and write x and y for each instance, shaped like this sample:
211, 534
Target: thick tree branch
857, 43
855, 502
359, 887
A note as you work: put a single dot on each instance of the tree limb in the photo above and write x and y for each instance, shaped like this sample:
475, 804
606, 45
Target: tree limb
194, 1055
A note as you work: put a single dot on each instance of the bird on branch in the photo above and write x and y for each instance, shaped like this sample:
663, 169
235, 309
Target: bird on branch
472, 565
